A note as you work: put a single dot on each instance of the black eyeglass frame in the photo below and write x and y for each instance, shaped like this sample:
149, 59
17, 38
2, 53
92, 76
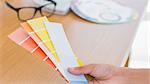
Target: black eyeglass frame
35, 8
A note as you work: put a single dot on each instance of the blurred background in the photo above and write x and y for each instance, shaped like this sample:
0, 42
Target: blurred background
140, 54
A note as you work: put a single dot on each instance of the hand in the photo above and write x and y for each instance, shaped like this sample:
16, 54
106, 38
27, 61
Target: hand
107, 74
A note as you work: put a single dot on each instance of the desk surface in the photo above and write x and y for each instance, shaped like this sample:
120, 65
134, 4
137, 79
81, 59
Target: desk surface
93, 43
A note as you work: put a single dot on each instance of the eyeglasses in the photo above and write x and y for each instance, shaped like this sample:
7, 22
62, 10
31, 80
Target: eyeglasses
26, 13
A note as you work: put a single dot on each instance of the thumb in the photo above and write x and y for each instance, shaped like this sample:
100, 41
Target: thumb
95, 70
87, 69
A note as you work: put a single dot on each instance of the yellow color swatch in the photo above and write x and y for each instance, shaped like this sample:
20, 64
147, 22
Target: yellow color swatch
39, 28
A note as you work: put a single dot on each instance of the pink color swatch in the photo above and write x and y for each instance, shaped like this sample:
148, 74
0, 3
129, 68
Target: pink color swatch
21, 37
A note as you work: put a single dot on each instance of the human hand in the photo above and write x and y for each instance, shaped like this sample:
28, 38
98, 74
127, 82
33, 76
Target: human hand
107, 74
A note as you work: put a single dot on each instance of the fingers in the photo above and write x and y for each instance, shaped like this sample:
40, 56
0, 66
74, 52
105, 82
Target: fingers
87, 69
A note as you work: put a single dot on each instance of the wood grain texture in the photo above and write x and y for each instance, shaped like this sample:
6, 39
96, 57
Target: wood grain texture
93, 43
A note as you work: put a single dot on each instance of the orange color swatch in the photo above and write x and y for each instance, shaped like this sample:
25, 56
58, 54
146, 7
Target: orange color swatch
39, 42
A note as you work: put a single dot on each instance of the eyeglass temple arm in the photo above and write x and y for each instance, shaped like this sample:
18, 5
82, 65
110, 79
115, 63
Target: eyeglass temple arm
52, 1
9, 5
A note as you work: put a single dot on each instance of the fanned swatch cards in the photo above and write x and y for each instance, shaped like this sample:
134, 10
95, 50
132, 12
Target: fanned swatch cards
47, 41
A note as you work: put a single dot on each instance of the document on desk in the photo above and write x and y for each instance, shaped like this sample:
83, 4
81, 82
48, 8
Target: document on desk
21, 37
64, 51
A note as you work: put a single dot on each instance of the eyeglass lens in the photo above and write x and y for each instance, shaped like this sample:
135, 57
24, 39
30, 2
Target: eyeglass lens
26, 13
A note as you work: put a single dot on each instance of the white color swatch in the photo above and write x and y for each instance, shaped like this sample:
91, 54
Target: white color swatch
64, 52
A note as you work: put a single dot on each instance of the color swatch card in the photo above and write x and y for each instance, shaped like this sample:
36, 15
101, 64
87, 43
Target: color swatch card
41, 31
21, 37
40, 43
39, 28
64, 51
35, 37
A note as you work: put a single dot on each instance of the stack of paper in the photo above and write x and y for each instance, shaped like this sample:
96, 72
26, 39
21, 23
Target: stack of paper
47, 41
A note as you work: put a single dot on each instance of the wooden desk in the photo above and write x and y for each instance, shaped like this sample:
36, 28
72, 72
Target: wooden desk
93, 43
